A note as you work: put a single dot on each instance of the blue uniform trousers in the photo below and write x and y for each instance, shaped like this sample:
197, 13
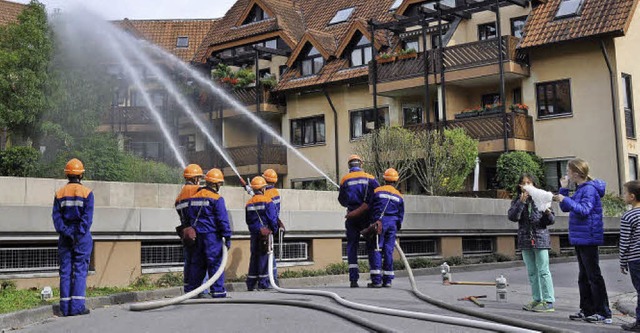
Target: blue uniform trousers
206, 259
381, 263
74, 265
353, 227
259, 266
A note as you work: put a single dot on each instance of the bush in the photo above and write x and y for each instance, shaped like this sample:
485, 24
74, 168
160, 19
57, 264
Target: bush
337, 268
142, 282
7, 285
19, 162
455, 261
138, 170
170, 280
511, 166
613, 205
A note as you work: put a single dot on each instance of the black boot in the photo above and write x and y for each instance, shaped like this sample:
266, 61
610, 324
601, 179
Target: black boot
354, 284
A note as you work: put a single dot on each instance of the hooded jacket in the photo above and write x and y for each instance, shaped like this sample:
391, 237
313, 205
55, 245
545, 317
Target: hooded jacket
585, 212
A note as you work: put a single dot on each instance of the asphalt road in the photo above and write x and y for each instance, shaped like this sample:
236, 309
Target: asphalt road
273, 318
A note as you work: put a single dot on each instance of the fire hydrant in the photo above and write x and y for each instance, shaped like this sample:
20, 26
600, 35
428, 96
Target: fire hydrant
446, 273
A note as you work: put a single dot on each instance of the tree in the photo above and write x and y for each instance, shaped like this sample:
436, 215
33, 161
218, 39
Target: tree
511, 166
396, 148
25, 50
447, 158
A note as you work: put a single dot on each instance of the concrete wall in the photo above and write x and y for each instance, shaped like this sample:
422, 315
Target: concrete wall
127, 214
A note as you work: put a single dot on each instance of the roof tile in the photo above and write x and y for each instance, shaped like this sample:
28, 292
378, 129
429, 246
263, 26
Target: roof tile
9, 11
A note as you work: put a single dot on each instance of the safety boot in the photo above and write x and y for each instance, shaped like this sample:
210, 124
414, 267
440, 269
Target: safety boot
354, 284
374, 285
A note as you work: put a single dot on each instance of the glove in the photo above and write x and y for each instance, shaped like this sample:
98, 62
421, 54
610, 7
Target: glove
398, 225
227, 243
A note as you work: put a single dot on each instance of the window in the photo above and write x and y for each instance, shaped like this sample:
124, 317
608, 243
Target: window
396, 4
342, 15
119, 98
412, 115
312, 63
308, 131
487, 31
271, 43
554, 98
157, 98
490, 99
309, 184
361, 53
517, 96
264, 73
137, 99
256, 15
188, 142
569, 8
282, 69
633, 167
553, 171
182, 42
627, 103
363, 121
517, 26
435, 41
412, 44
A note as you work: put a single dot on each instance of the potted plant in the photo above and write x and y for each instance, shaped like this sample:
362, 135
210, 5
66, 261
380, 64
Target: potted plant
407, 54
268, 82
490, 109
386, 57
468, 113
519, 108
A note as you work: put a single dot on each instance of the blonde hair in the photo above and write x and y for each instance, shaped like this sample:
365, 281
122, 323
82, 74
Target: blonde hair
581, 167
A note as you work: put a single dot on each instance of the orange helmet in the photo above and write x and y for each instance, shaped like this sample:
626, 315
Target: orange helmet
214, 176
391, 175
258, 183
354, 157
74, 168
191, 171
270, 175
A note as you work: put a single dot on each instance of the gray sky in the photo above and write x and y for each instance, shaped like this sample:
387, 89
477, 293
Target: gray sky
146, 9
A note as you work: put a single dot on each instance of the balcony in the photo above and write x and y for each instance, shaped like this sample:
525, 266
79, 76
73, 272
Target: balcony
245, 159
127, 119
270, 103
489, 131
462, 62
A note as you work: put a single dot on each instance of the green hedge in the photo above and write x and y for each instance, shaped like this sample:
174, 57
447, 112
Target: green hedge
19, 162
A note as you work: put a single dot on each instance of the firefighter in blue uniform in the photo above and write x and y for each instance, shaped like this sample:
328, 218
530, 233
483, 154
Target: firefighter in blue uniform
261, 218
272, 193
192, 175
356, 192
72, 217
388, 212
211, 224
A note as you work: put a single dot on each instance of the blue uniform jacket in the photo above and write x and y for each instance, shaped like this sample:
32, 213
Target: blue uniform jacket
209, 209
273, 194
585, 213
182, 203
356, 188
388, 205
259, 211
73, 210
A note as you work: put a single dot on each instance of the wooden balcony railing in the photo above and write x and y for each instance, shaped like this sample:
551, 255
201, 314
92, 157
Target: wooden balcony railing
247, 96
127, 115
241, 156
463, 56
486, 128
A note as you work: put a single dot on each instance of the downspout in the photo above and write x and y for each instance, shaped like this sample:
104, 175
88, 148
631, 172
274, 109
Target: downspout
614, 106
335, 131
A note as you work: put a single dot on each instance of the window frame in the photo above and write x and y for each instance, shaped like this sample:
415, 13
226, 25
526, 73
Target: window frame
406, 44
629, 114
485, 97
312, 60
257, 14
555, 83
412, 107
577, 12
362, 52
179, 38
560, 169
336, 20
385, 111
302, 123
635, 166
485, 25
515, 19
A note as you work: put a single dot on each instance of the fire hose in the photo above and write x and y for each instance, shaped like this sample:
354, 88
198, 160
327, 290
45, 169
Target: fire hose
471, 312
387, 311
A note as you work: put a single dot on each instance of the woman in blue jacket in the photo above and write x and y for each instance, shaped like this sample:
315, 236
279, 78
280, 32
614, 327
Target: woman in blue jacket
586, 232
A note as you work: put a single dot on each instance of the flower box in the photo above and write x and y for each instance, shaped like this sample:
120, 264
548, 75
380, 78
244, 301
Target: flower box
468, 114
382, 60
407, 56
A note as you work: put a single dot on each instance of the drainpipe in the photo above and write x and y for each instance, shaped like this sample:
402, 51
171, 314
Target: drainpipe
335, 131
503, 98
614, 106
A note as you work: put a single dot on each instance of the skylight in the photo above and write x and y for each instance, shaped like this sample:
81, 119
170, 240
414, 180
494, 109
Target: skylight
395, 5
182, 42
342, 15
569, 8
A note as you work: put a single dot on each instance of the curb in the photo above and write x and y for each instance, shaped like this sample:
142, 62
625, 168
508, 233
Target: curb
626, 304
23, 318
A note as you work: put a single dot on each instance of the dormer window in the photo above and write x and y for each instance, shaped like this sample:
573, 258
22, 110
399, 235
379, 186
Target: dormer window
256, 15
342, 15
362, 52
312, 63
182, 42
569, 8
